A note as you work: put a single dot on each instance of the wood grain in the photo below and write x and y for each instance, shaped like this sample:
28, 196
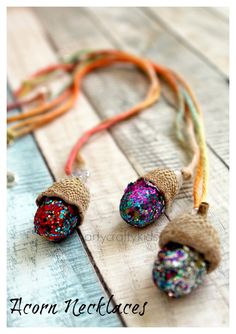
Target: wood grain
119, 251
200, 30
221, 12
159, 45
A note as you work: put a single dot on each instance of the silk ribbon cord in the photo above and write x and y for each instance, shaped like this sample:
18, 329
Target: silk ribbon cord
189, 120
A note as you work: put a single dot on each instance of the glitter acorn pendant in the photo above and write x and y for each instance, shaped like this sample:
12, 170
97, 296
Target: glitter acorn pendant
61, 208
190, 248
147, 198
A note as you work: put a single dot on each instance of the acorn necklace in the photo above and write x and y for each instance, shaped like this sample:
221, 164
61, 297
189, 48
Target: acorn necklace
190, 246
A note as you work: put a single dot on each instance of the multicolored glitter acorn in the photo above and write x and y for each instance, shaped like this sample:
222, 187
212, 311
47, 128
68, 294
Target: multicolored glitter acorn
147, 198
190, 248
61, 208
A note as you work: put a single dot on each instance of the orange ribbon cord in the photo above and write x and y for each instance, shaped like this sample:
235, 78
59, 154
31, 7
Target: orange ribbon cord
189, 113
33, 123
42, 73
39, 110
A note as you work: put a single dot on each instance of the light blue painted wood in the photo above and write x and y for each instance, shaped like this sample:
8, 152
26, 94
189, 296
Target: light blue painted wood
37, 270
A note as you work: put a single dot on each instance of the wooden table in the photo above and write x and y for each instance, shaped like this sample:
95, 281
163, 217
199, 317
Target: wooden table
100, 260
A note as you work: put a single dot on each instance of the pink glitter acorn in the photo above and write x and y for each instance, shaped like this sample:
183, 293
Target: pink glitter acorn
146, 199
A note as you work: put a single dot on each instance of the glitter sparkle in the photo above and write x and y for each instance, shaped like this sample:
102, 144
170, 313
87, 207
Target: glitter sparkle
142, 203
55, 219
178, 271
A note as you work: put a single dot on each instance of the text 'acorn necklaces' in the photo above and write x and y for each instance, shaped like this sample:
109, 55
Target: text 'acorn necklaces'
190, 246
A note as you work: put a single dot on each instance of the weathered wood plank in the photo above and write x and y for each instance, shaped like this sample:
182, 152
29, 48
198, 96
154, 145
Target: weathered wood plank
145, 150
221, 12
199, 29
37, 270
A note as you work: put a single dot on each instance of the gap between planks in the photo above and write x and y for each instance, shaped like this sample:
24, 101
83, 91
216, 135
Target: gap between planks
106, 18
220, 12
196, 28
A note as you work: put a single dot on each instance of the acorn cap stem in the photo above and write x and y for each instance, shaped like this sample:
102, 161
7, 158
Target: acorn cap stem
203, 209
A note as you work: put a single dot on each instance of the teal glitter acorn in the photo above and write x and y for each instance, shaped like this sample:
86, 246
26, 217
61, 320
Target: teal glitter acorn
178, 270
61, 208
190, 249
146, 199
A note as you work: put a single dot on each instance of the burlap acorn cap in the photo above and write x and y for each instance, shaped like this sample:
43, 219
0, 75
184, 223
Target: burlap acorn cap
72, 190
195, 231
167, 181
